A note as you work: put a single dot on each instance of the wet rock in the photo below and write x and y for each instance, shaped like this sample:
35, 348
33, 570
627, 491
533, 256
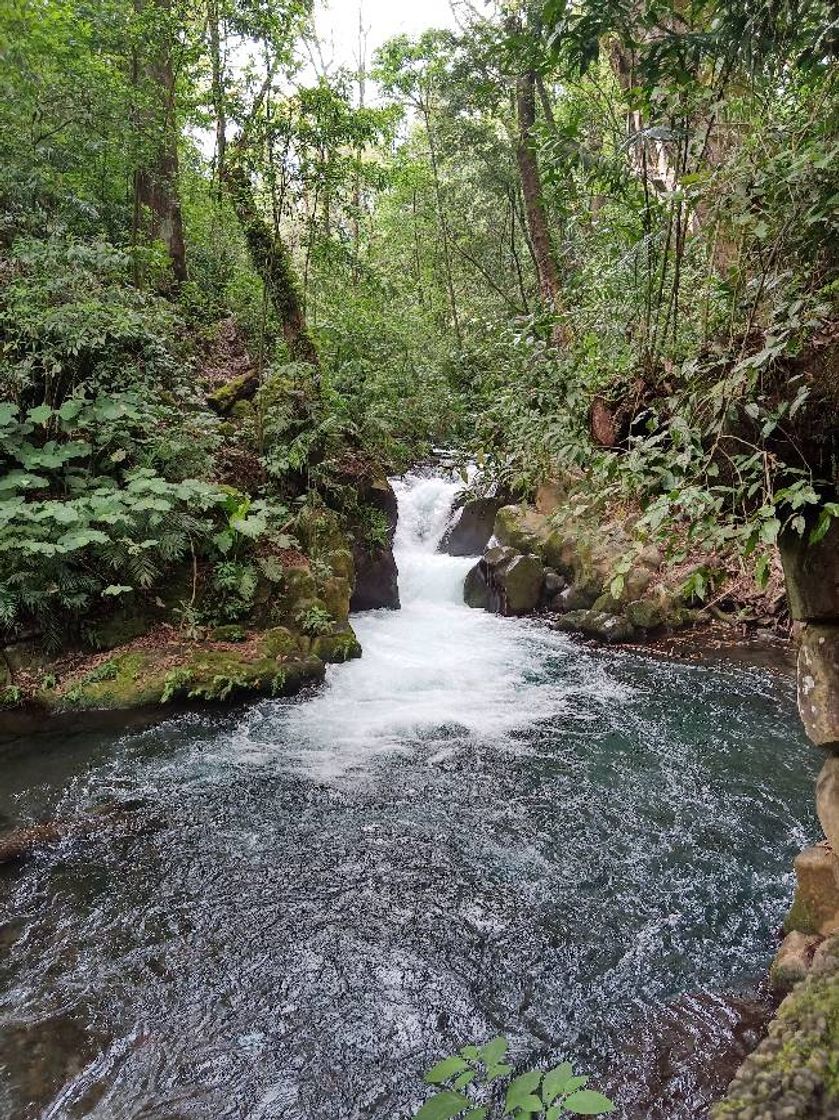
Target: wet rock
815, 908
476, 588
376, 573
609, 628
811, 572
521, 528
818, 683
520, 581
576, 598
376, 579
793, 960
827, 800
470, 533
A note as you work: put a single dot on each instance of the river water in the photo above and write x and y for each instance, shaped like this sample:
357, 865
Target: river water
480, 827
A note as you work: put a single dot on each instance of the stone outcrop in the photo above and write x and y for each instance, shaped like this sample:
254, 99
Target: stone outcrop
376, 573
815, 908
793, 1074
585, 577
471, 530
506, 582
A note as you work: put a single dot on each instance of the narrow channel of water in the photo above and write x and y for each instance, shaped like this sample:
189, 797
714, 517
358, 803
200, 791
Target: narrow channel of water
479, 827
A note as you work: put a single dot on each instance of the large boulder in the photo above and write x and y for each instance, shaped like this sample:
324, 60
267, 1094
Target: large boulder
815, 908
476, 592
376, 579
520, 581
827, 800
506, 582
609, 628
811, 572
818, 683
376, 573
470, 532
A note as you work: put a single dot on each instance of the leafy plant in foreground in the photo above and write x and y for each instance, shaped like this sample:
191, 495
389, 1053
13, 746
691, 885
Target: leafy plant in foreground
481, 1070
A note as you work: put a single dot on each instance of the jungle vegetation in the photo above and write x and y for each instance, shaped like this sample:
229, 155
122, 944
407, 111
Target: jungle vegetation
585, 237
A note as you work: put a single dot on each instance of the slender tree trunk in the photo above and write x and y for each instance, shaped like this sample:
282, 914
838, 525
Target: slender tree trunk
272, 261
217, 88
156, 179
444, 227
531, 183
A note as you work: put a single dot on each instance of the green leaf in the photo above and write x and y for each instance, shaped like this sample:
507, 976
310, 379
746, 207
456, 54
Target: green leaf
40, 415
71, 409
469, 1051
443, 1106
520, 1093
492, 1052
476, 1114
115, 589
500, 1070
762, 571
555, 1082
769, 530
575, 1083
588, 1103
818, 533
465, 1079
446, 1069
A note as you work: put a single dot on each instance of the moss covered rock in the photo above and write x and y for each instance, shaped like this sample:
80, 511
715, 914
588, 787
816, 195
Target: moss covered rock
793, 1074
815, 907
335, 648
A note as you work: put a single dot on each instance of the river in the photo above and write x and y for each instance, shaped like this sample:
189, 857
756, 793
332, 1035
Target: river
479, 827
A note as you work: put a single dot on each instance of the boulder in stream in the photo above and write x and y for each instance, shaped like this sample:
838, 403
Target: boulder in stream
470, 532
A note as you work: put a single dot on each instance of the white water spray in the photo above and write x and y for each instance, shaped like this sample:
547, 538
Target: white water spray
434, 673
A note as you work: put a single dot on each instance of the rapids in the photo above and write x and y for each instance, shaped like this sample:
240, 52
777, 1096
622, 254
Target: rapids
479, 827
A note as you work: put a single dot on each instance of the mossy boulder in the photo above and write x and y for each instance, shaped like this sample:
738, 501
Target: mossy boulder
609, 628
521, 582
342, 564
270, 665
476, 588
815, 907
335, 648
793, 961
645, 614
336, 597
521, 528
793, 1074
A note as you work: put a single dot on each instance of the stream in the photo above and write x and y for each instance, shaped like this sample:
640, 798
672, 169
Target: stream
480, 827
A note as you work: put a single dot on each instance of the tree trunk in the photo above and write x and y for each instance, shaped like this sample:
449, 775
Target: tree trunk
537, 221
157, 205
217, 88
273, 263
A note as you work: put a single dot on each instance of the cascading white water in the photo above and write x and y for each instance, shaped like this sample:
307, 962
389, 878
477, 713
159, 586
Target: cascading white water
435, 670
478, 828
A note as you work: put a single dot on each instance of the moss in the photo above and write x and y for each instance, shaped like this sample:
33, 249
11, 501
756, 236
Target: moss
231, 633
794, 1073
336, 598
342, 564
224, 399
138, 679
342, 646
281, 644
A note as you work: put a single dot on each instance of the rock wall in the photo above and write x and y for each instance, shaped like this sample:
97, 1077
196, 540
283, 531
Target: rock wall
587, 579
794, 1073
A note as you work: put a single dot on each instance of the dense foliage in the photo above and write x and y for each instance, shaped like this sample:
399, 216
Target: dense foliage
593, 239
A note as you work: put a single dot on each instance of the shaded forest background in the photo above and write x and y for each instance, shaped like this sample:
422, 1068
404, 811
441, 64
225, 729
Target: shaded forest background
595, 242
